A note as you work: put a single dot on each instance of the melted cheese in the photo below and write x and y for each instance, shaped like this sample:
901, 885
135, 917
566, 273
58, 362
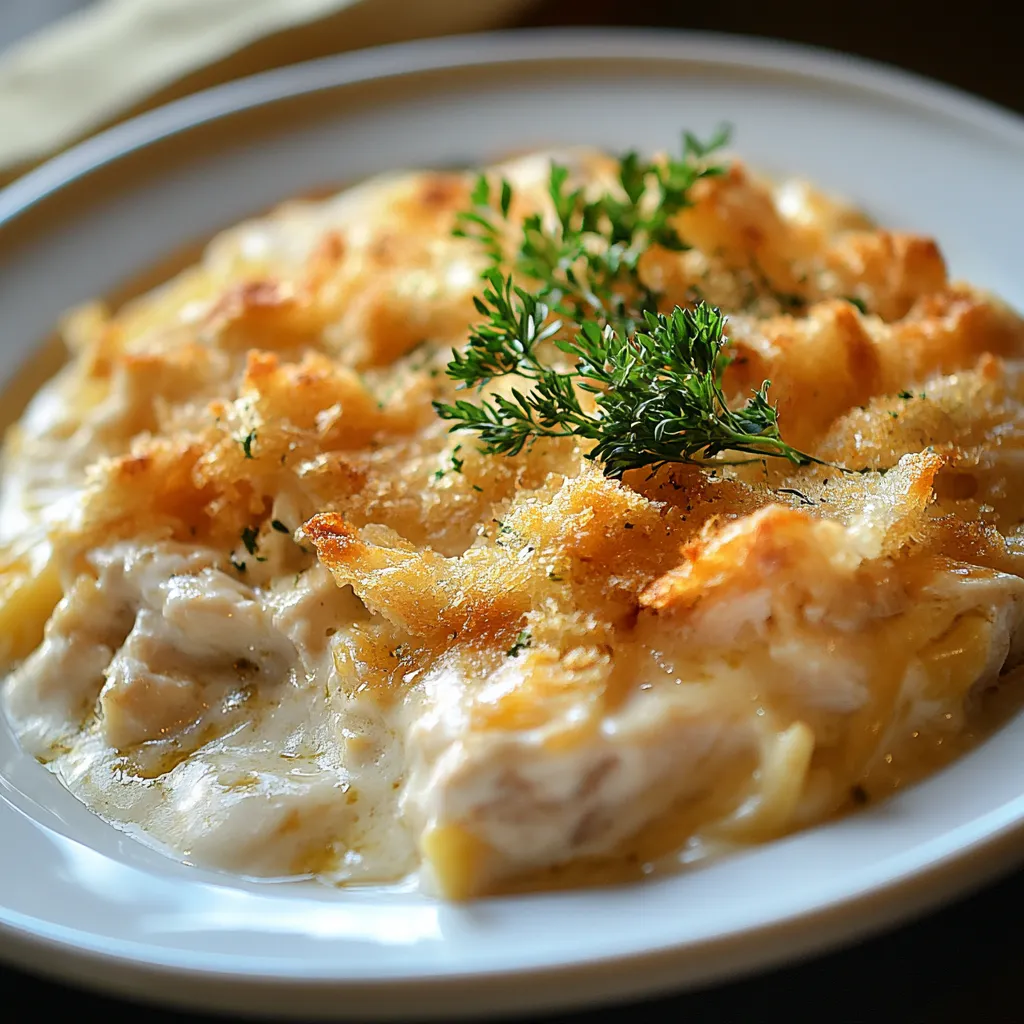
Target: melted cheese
263, 609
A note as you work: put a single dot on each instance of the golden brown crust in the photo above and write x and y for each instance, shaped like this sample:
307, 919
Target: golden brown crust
307, 355
295, 368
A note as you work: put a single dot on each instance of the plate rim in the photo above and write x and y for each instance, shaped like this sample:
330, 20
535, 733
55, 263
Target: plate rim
992, 848
513, 46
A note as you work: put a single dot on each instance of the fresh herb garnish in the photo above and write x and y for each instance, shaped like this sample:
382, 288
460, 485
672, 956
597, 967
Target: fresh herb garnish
249, 535
906, 395
523, 640
246, 443
585, 263
279, 526
644, 387
859, 303
656, 395
239, 566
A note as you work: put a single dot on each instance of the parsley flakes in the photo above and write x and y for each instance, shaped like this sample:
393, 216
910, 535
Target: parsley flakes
523, 640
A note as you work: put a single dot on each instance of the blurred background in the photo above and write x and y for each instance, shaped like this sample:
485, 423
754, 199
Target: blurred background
70, 67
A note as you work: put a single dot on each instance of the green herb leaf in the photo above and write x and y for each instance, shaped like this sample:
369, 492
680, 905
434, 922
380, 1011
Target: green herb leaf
523, 640
247, 442
587, 263
279, 526
657, 393
644, 387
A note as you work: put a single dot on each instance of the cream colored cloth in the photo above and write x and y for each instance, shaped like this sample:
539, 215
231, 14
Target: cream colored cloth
116, 57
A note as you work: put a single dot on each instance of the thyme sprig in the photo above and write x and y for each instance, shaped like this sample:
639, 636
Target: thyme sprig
584, 261
644, 386
657, 393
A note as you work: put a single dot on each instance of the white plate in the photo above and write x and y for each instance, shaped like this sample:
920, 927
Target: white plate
85, 902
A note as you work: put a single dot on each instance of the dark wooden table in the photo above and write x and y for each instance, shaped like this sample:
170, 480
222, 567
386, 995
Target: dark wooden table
962, 963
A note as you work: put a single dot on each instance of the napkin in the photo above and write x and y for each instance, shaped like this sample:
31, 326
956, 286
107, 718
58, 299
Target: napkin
115, 58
